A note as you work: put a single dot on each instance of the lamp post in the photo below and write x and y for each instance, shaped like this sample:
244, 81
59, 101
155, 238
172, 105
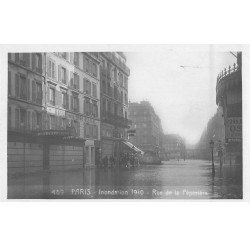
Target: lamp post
211, 143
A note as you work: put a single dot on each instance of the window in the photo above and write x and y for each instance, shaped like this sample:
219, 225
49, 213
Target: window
52, 122
51, 69
17, 122
64, 75
23, 117
87, 86
24, 59
95, 132
109, 106
94, 69
92, 155
76, 58
65, 100
38, 62
115, 92
64, 122
9, 116
115, 74
87, 106
104, 87
103, 64
120, 75
87, 65
39, 93
104, 105
77, 127
23, 87
87, 155
9, 83
95, 108
75, 103
76, 81
121, 96
115, 109
39, 121
94, 88
52, 93
64, 55
126, 98
125, 82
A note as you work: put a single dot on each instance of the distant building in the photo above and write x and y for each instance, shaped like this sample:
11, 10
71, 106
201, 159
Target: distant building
174, 146
215, 131
148, 130
114, 103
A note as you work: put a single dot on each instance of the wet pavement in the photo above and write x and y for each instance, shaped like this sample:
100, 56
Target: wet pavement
190, 179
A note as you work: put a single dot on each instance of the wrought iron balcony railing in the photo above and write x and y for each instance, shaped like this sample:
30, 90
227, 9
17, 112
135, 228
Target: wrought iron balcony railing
116, 120
227, 72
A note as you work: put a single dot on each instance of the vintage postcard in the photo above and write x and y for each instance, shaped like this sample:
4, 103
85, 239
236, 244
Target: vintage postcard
156, 122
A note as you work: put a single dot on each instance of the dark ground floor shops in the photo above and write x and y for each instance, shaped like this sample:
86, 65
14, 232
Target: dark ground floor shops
29, 153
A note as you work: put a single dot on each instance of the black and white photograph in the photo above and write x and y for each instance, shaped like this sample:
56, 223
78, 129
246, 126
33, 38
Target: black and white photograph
146, 124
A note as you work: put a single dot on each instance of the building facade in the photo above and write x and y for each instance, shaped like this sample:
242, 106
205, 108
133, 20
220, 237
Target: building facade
215, 131
114, 103
73, 97
53, 110
148, 130
229, 97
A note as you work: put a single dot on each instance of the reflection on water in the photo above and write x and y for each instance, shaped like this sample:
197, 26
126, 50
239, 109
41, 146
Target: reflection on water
172, 180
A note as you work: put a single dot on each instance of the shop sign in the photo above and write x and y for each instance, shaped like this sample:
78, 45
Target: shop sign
233, 129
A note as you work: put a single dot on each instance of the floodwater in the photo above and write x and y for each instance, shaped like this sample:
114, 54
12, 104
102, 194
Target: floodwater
190, 179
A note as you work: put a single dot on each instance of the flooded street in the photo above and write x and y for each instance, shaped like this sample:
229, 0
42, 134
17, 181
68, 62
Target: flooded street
191, 179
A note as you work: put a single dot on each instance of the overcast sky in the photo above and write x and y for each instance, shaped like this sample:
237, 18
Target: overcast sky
184, 98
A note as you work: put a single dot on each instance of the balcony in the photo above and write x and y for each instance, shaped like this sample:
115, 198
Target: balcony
228, 78
116, 120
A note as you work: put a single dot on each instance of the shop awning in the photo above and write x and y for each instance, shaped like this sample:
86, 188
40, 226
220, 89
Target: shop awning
133, 147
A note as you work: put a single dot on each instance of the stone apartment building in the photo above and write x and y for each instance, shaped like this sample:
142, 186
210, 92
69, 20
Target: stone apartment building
73, 94
53, 110
114, 103
148, 130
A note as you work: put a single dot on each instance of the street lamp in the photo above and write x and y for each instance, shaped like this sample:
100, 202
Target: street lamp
211, 143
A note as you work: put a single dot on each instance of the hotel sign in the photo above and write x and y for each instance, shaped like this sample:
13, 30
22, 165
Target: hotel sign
55, 111
234, 129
